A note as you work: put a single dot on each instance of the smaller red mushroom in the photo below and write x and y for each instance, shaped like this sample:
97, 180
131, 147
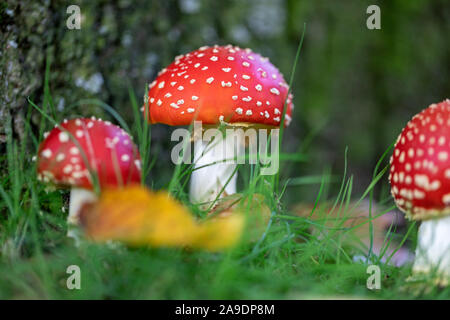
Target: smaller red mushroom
79, 151
420, 184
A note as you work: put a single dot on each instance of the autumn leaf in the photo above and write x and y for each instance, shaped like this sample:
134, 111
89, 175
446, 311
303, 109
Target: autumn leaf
219, 233
138, 216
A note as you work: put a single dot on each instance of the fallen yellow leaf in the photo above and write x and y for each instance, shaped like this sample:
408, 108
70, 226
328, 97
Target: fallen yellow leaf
138, 216
219, 234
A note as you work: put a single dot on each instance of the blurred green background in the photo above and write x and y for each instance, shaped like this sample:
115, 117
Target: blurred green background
353, 87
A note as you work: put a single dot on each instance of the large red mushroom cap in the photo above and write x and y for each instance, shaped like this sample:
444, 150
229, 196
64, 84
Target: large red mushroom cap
420, 164
108, 149
220, 84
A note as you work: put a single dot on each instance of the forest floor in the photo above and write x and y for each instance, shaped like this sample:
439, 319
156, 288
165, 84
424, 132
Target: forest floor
293, 257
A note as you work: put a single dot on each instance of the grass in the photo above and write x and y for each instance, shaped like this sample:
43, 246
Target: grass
292, 258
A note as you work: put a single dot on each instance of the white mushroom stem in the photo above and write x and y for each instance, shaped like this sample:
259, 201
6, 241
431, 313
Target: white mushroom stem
78, 197
208, 181
433, 247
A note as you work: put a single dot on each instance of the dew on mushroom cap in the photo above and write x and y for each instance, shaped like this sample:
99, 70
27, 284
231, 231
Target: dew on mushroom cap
220, 80
420, 164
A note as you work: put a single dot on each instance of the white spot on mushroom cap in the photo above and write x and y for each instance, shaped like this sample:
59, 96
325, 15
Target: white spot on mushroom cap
274, 91
78, 175
447, 173
46, 153
74, 151
63, 137
422, 181
401, 159
443, 156
67, 169
446, 199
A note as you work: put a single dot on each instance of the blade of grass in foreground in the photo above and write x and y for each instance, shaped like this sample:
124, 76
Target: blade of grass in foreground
283, 115
371, 231
107, 108
143, 132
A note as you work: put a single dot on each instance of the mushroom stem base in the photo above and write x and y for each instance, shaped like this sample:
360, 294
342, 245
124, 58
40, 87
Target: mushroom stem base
78, 197
433, 248
211, 174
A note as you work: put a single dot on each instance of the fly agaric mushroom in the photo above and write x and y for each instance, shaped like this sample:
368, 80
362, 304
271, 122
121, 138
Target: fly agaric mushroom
420, 184
101, 148
220, 85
